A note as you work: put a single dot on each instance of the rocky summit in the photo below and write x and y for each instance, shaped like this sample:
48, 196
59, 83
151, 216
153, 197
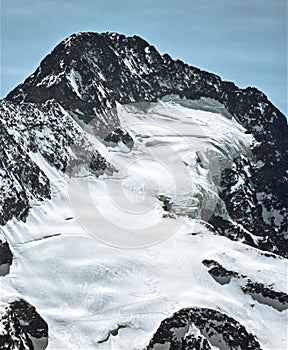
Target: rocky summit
172, 160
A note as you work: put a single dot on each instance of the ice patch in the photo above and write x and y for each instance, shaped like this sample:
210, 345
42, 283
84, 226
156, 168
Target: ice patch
75, 79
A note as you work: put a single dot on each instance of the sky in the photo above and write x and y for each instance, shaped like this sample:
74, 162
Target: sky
244, 41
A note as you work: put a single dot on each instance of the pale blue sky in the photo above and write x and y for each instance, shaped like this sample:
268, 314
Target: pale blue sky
244, 41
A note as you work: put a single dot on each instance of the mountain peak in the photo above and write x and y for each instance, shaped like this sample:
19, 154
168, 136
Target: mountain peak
89, 72
194, 159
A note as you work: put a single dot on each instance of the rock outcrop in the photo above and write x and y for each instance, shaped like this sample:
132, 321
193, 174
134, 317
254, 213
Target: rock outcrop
202, 328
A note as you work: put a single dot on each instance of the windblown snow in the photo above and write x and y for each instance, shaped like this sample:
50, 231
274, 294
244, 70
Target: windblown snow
110, 252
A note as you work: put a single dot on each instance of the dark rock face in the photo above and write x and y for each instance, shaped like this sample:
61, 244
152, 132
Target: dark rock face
21, 178
31, 322
201, 328
5, 253
252, 207
6, 257
119, 135
89, 72
266, 295
46, 129
196, 343
258, 291
167, 206
23, 328
218, 272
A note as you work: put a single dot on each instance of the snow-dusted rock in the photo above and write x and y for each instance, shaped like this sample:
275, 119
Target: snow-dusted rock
21, 327
214, 328
29, 129
5, 256
258, 291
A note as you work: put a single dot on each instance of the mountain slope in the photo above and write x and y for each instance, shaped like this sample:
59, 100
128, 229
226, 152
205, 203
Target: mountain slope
27, 129
88, 72
109, 147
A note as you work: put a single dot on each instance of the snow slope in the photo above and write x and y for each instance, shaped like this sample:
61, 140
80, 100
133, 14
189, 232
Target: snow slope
105, 254
88, 73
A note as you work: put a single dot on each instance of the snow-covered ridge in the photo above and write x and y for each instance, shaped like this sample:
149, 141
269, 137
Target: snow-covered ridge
26, 129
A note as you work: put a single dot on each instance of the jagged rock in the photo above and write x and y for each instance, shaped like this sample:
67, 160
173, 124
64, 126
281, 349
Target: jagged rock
167, 205
191, 342
218, 272
258, 291
240, 182
21, 178
266, 295
46, 129
6, 257
22, 328
119, 135
217, 328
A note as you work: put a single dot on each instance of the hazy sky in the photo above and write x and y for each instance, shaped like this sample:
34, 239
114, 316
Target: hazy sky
244, 41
